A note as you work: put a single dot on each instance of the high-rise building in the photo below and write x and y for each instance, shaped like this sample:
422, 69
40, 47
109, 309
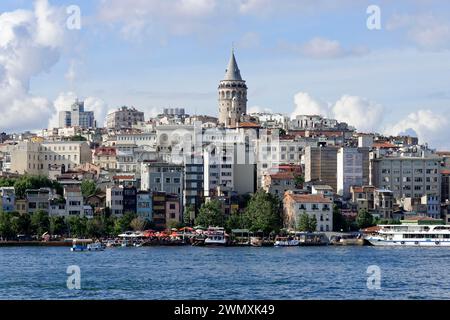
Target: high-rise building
232, 95
320, 165
352, 169
77, 117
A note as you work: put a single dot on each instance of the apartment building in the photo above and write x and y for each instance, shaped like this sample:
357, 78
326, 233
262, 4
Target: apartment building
124, 118
352, 169
105, 158
407, 177
315, 205
77, 117
321, 165
114, 200
37, 158
144, 205
7, 199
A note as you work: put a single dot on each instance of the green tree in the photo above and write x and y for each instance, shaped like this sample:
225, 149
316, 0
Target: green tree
339, 222
77, 226
235, 221
88, 188
299, 180
58, 226
263, 212
123, 223
138, 224
210, 214
364, 219
303, 223
6, 227
21, 223
40, 223
25, 182
188, 214
95, 227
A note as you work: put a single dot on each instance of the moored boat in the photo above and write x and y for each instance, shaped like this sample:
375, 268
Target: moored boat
410, 235
286, 242
216, 236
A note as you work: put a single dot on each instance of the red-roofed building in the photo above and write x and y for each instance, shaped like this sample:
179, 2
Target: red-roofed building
106, 158
278, 183
315, 205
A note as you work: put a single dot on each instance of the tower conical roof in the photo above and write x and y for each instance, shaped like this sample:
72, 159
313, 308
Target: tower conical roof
232, 72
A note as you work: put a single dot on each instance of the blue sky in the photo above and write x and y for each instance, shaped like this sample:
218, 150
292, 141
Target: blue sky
172, 53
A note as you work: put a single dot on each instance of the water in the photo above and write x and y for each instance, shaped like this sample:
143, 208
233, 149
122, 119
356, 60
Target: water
226, 273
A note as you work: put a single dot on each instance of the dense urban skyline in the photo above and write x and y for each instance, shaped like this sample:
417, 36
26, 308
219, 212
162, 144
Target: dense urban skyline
390, 80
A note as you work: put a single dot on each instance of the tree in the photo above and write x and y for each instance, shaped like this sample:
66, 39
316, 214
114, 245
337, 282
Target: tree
307, 223
124, 223
299, 180
77, 226
138, 224
58, 226
364, 219
303, 223
210, 214
40, 223
235, 221
88, 188
339, 222
263, 213
25, 182
6, 230
21, 223
188, 214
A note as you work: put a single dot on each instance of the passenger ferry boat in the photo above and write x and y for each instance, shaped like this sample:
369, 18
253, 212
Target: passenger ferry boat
411, 235
215, 236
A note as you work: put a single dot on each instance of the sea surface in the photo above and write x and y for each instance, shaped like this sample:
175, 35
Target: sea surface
227, 273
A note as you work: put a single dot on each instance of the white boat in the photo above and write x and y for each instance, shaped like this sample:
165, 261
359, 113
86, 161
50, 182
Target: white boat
411, 235
215, 236
97, 246
286, 242
79, 245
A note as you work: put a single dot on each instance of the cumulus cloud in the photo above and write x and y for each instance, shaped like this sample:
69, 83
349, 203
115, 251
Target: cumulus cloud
99, 107
363, 114
307, 105
30, 44
429, 127
65, 100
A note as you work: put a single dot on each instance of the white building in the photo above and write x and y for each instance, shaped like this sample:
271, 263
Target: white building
352, 169
315, 205
77, 117
114, 200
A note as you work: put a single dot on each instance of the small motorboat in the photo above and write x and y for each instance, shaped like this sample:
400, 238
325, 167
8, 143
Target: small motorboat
286, 242
97, 246
79, 245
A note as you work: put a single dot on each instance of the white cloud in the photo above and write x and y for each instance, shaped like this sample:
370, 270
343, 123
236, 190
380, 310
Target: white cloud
258, 109
99, 107
322, 48
363, 114
358, 112
306, 105
430, 127
30, 44
65, 100
425, 30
